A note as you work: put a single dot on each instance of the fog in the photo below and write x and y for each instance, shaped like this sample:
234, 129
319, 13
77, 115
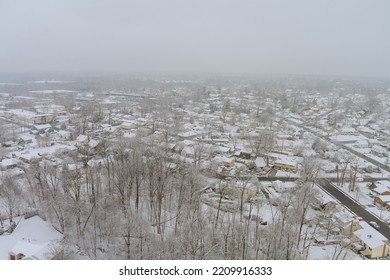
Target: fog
331, 37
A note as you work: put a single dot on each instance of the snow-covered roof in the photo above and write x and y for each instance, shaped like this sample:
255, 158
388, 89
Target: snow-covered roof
93, 143
381, 188
259, 162
81, 138
370, 236
288, 160
35, 250
30, 236
384, 198
42, 126
383, 184
187, 134
8, 162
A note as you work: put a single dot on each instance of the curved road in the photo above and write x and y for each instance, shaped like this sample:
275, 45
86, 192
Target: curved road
356, 208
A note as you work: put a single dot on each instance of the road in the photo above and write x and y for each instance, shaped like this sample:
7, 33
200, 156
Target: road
354, 206
344, 199
371, 160
331, 179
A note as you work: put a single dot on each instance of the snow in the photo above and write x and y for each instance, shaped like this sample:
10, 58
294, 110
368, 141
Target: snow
346, 138
48, 91
81, 138
370, 236
329, 252
32, 237
129, 135
260, 163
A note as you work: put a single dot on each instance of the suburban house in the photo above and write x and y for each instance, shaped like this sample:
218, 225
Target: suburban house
348, 131
368, 132
280, 186
188, 151
29, 157
381, 187
29, 251
8, 163
375, 244
379, 151
25, 139
28, 117
288, 163
260, 163
128, 125
347, 224
82, 140
41, 128
382, 201
32, 239
225, 161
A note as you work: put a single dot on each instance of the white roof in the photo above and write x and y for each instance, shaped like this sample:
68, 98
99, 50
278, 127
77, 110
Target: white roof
36, 250
384, 198
384, 183
42, 126
370, 236
93, 143
260, 162
187, 134
8, 162
381, 189
81, 138
288, 160
30, 236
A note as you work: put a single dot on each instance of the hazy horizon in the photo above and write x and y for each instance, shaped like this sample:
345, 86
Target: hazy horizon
230, 37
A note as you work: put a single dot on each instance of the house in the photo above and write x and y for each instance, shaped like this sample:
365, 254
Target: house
348, 225
225, 161
188, 151
29, 251
8, 163
187, 134
280, 186
8, 144
41, 128
374, 243
382, 201
82, 140
379, 151
348, 131
368, 132
64, 135
25, 139
260, 163
380, 187
128, 125
288, 163
29, 157
28, 117
32, 239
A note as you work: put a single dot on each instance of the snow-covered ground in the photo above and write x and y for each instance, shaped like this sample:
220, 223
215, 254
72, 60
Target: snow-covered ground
331, 252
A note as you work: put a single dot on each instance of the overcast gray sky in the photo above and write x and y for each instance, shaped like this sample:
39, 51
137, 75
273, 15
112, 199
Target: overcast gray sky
340, 37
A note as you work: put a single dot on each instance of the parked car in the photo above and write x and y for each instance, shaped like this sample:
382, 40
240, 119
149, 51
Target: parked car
374, 224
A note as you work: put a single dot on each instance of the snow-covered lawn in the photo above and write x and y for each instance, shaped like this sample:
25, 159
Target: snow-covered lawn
331, 252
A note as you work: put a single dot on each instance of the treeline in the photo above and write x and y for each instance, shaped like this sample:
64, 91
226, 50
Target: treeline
134, 204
